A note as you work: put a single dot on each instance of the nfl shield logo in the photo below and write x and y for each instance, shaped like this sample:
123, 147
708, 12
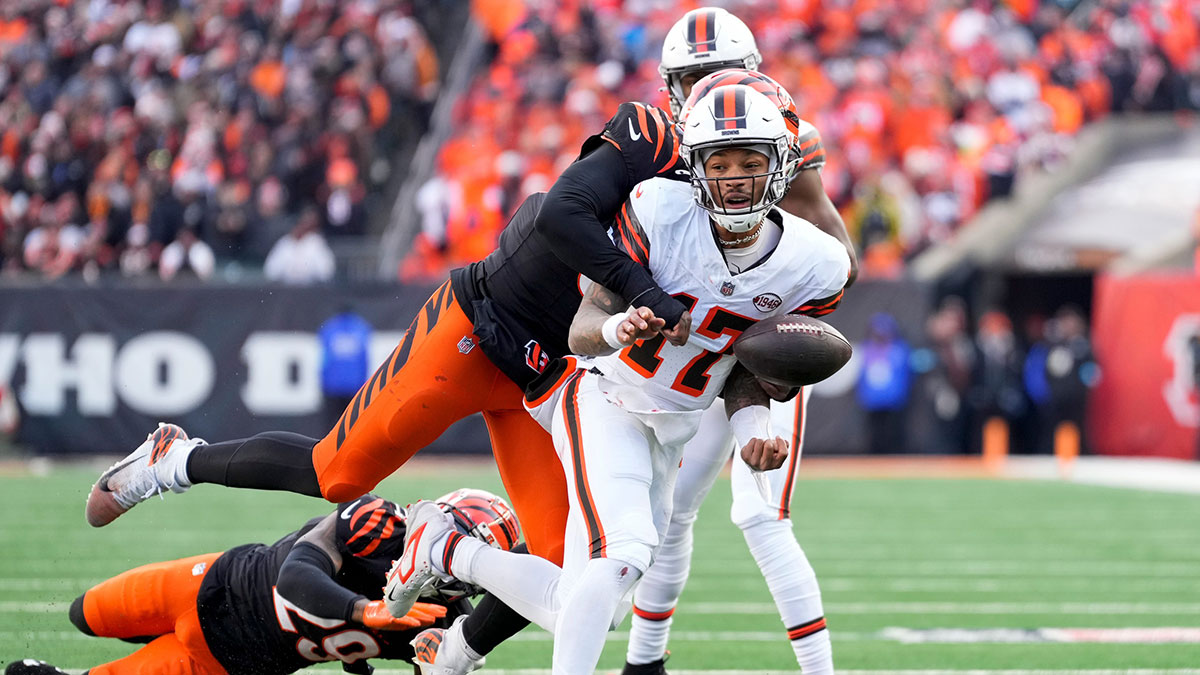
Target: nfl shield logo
465, 345
727, 288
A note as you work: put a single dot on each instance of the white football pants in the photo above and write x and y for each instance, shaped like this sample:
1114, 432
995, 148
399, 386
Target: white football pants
766, 526
620, 470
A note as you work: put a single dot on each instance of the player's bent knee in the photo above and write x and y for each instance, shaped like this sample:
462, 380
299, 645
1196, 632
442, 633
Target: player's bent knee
77, 617
745, 518
683, 518
338, 492
637, 554
552, 551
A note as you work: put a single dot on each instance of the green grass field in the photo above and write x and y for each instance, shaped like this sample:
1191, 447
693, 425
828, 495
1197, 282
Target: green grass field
894, 557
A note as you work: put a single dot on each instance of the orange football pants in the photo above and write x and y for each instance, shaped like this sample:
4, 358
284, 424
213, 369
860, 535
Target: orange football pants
156, 599
436, 376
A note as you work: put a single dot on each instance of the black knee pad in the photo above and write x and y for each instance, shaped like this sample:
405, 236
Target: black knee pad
77, 618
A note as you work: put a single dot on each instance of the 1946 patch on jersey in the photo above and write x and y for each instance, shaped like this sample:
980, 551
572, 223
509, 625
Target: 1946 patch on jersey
767, 302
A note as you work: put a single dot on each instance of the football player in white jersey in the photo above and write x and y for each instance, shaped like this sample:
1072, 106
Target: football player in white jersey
620, 418
702, 41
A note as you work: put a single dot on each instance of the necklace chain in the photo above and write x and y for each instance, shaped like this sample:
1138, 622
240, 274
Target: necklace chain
741, 240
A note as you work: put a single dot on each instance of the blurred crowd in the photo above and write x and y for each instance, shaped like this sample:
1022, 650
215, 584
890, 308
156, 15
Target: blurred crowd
929, 108
194, 137
1033, 380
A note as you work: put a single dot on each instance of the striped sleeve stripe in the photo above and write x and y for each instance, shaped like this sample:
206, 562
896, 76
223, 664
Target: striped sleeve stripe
822, 305
806, 629
626, 241
636, 233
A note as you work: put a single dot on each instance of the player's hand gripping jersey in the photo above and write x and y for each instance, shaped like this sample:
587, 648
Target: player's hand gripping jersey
663, 229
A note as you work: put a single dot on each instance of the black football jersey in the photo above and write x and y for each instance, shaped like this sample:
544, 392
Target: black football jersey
522, 297
251, 629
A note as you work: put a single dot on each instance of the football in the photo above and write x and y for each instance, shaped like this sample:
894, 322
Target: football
792, 350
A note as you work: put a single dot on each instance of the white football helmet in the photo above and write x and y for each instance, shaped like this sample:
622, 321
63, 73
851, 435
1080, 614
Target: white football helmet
703, 41
737, 116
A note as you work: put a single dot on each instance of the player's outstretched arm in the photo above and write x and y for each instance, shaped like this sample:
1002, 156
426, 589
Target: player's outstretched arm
807, 198
587, 195
748, 407
601, 326
307, 579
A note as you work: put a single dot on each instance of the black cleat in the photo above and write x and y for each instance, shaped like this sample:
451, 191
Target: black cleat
652, 668
32, 667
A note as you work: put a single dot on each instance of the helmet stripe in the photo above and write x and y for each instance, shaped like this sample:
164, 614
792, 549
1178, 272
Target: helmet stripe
701, 31
730, 109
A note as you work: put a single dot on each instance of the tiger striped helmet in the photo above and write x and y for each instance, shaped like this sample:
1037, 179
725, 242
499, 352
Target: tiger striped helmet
483, 515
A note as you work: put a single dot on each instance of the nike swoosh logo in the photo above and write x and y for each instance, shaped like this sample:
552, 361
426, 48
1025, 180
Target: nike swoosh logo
632, 133
350, 509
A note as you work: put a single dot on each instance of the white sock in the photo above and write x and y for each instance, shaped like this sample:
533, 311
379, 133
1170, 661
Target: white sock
793, 584
526, 583
655, 599
177, 461
454, 652
587, 614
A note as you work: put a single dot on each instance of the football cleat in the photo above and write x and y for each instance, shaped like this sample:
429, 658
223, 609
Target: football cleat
32, 667
413, 571
437, 651
653, 668
158, 464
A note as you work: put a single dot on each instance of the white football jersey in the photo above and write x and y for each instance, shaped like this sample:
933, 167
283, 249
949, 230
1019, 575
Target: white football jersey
663, 225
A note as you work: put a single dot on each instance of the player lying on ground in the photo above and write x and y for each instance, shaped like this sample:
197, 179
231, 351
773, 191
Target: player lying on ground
619, 421
312, 596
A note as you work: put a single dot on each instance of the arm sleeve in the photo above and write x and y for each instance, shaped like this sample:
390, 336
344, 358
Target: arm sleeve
573, 219
306, 579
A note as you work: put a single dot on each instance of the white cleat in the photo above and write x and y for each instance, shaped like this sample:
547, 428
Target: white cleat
156, 465
439, 651
413, 571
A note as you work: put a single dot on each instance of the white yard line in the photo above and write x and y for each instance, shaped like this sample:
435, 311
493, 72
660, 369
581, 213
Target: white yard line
835, 608
972, 608
760, 671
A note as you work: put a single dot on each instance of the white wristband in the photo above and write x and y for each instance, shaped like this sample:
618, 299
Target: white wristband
750, 422
609, 330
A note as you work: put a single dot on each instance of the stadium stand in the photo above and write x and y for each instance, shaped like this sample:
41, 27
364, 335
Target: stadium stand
930, 107
123, 123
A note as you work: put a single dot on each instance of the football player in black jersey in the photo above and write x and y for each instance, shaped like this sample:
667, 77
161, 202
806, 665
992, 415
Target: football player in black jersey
259, 609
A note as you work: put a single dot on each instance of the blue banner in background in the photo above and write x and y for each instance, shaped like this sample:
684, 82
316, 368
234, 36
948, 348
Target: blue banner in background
96, 368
